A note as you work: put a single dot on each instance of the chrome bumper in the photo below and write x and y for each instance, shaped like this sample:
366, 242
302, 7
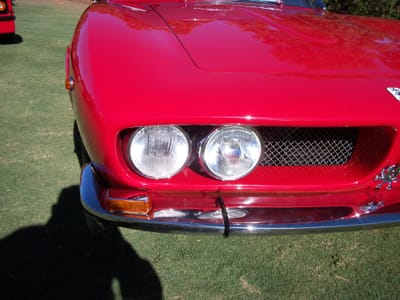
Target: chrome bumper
91, 192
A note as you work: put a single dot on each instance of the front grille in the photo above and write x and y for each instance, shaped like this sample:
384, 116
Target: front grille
308, 146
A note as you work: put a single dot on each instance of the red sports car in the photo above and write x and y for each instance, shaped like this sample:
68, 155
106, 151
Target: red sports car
236, 116
7, 18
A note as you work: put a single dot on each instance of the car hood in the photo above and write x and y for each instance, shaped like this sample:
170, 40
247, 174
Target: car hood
223, 64
261, 38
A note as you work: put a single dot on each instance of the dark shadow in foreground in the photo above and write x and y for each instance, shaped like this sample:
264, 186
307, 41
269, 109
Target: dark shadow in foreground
63, 260
10, 39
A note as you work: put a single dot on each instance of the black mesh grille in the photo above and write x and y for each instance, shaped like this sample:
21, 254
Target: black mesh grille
308, 146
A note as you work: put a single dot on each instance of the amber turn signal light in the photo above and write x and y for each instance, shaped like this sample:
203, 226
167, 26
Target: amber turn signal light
69, 83
3, 6
127, 206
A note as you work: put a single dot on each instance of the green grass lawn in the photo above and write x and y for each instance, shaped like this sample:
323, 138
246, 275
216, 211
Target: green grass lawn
43, 243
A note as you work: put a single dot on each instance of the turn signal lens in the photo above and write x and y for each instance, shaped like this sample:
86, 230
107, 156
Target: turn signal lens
3, 6
140, 206
69, 83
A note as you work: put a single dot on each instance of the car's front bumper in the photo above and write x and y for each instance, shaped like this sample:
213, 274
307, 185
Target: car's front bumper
92, 191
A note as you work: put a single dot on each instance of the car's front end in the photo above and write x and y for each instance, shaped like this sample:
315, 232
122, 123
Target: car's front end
293, 188
236, 117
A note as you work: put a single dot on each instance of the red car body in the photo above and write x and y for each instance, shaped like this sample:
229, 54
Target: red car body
7, 17
299, 76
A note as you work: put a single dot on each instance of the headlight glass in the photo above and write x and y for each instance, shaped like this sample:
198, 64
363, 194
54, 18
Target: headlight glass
159, 151
231, 152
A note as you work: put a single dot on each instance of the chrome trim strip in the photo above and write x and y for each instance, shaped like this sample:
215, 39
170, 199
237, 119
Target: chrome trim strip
91, 191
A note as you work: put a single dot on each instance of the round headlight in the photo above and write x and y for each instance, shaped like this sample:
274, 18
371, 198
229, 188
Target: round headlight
231, 152
159, 151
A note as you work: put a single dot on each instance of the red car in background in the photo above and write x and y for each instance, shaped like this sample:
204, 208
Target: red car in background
247, 116
7, 18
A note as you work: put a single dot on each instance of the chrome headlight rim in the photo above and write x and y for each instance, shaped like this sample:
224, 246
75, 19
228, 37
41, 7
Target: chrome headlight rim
184, 164
212, 134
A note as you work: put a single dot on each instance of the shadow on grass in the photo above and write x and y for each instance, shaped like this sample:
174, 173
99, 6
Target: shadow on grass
10, 39
63, 260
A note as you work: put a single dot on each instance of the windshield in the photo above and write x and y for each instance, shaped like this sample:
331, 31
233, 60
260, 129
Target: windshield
300, 3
